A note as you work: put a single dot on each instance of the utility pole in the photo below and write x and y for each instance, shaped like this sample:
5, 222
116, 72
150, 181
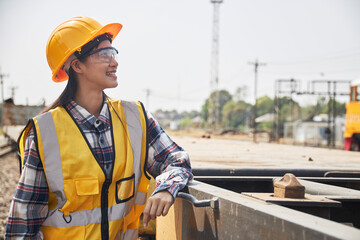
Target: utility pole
13, 93
2, 76
334, 116
256, 65
148, 92
215, 62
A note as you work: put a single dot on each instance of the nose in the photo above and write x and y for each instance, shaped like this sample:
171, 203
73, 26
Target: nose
113, 62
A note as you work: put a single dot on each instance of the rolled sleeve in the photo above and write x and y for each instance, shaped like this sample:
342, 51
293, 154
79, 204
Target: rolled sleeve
29, 206
167, 162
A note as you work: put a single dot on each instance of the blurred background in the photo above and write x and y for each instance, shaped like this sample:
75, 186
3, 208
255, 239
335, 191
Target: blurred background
202, 64
258, 70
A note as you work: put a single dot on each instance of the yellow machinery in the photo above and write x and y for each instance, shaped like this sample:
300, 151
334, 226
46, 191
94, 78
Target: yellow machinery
352, 126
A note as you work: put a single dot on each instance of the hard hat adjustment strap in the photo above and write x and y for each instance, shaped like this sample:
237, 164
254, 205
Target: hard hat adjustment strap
92, 44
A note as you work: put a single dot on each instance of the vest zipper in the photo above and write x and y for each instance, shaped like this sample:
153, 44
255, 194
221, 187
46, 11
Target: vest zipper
107, 182
104, 210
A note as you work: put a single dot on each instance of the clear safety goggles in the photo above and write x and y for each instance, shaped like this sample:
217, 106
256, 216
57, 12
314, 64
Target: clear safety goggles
103, 55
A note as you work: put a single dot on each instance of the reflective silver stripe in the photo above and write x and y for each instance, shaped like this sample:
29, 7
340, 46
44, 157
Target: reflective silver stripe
130, 234
136, 133
86, 217
140, 198
119, 211
55, 178
52, 160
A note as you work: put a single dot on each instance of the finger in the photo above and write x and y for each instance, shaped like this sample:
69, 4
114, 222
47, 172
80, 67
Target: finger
146, 213
166, 208
153, 209
160, 208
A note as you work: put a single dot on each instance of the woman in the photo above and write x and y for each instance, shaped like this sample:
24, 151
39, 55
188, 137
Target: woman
85, 159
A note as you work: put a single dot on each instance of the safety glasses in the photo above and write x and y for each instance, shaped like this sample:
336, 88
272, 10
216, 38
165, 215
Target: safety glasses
103, 55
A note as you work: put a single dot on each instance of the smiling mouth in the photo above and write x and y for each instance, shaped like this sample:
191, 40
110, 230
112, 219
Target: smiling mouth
110, 74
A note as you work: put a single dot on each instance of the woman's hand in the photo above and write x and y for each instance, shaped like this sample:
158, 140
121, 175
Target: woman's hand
157, 205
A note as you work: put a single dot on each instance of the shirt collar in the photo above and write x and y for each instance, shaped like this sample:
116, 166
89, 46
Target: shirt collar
82, 116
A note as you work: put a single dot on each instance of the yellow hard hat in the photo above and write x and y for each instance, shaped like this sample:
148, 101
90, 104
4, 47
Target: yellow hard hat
69, 37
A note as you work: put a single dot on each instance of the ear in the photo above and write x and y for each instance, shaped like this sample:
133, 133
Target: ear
77, 66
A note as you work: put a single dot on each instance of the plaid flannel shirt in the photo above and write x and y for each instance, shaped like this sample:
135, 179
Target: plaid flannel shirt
167, 162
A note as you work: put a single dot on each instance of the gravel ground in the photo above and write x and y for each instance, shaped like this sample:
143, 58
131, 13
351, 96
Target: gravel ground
9, 175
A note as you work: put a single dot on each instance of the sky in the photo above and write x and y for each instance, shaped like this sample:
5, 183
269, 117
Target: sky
165, 46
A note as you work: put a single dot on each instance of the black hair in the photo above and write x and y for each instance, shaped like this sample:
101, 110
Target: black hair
68, 94
88, 47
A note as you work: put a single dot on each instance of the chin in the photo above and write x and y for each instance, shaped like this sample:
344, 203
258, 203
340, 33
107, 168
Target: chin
113, 85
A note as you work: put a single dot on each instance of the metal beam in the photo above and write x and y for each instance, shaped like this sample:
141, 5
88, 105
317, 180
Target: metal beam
241, 217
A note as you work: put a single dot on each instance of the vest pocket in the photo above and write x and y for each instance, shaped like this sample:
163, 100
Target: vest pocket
87, 186
125, 189
80, 194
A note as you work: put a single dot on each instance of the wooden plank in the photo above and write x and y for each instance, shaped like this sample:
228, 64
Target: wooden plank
170, 226
309, 200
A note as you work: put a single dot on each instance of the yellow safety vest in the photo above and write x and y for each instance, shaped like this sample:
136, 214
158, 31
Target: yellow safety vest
83, 204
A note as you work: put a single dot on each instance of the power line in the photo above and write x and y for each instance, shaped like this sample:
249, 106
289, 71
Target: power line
321, 70
308, 60
172, 98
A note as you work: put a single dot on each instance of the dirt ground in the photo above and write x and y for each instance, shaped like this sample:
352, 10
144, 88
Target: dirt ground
232, 153
9, 175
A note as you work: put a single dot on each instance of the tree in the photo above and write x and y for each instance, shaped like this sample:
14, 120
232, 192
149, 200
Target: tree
264, 105
185, 122
322, 106
215, 103
205, 111
235, 113
193, 114
339, 108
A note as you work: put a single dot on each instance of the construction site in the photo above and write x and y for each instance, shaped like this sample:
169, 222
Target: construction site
263, 167
243, 190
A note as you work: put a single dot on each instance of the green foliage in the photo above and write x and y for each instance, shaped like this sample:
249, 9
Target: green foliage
266, 126
339, 108
322, 106
186, 123
192, 114
212, 109
264, 105
205, 111
234, 113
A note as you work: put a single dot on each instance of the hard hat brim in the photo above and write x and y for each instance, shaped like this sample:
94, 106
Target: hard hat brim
59, 75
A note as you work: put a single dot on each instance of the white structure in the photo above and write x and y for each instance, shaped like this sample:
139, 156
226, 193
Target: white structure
314, 133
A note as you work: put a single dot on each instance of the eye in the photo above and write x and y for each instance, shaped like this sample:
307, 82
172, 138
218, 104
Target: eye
105, 53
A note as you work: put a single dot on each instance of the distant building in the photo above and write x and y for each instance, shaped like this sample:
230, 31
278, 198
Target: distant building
174, 125
314, 132
267, 117
15, 117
